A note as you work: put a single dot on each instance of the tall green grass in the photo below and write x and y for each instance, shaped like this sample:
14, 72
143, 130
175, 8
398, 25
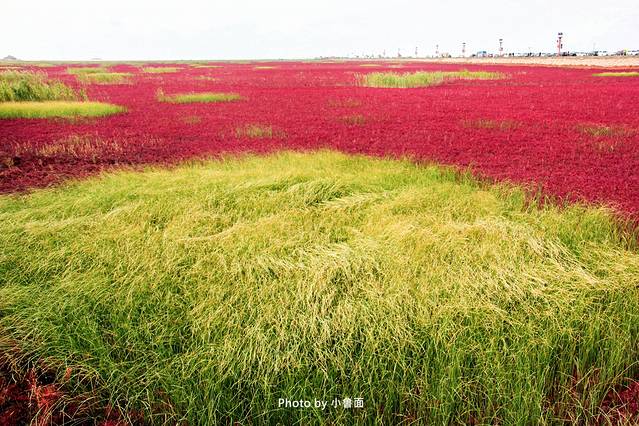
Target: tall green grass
208, 291
51, 109
421, 78
18, 86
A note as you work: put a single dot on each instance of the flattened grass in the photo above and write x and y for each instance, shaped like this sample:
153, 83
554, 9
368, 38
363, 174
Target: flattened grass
422, 78
52, 109
203, 97
211, 290
617, 74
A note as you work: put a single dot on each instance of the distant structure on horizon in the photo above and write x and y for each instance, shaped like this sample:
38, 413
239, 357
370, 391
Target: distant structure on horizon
9, 58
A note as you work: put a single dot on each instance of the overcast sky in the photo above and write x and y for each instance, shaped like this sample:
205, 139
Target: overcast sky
199, 29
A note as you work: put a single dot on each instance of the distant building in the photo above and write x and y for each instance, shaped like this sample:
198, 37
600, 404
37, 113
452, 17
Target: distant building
9, 58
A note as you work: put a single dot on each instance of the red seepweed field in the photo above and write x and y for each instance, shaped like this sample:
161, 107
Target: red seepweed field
562, 130
227, 289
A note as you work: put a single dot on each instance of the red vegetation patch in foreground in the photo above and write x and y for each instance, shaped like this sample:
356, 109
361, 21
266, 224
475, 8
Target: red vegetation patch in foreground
574, 135
36, 398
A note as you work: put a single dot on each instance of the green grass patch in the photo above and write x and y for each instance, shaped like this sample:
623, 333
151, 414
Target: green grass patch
51, 109
159, 70
617, 74
106, 78
422, 78
601, 131
16, 86
184, 98
211, 290
86, 70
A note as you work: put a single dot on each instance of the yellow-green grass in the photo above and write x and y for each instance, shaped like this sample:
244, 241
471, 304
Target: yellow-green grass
18, 86
369, 65
76, 146
206, 78
106, 78
205, 66
422, 78
86, 70
211, 290
264, 67
203, 97
159, 70
601, 130
618, 74
257, 131
51, 109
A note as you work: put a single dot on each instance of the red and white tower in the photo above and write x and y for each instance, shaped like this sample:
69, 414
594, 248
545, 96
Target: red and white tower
559, 43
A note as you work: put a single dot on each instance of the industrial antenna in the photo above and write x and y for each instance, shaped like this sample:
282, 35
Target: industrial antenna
463, 49
437, 50
501, 47
559, 43
416, 55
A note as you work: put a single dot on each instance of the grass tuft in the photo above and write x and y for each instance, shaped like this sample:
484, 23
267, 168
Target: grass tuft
182, 98
354, 119
617, 74
52, 109
106, 78
421, 78
75, 146
257, 131
159, 70
86, 70
205, 293
34, 86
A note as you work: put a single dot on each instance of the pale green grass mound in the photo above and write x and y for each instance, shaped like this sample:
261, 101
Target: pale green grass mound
86, 70
211, 290
422, 78
202, 97
159, 70
105, 78
617, 74
19, 86
51, 109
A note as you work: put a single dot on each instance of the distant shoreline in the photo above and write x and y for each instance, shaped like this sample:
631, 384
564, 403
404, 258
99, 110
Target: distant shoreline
561, 61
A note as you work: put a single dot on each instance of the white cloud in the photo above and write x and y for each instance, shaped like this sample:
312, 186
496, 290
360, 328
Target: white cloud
196, 29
